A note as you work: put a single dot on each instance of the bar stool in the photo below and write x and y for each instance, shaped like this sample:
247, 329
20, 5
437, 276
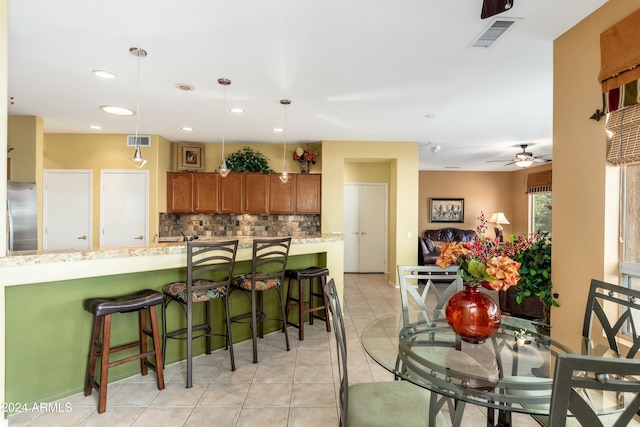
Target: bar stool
314, 276
102, 309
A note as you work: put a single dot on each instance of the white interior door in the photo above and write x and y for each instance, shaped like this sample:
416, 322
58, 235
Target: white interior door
67, 213
124, 207
365, 228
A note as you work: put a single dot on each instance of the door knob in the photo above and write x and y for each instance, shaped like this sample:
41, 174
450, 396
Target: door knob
363, 232
355, 232
82, 238
139, 237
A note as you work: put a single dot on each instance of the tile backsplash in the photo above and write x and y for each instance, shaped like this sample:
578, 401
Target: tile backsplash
264, 225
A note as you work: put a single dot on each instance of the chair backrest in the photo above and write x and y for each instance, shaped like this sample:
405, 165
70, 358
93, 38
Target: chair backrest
270, 258
627, 302
587, 385
437, 286
337, 321
210, 264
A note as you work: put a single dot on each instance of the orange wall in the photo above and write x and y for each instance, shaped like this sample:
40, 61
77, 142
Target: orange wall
482, 191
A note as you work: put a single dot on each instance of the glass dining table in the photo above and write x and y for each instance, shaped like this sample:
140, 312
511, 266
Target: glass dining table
512, 371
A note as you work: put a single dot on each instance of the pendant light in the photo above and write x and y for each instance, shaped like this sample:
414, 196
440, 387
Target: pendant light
223, 167
285, 176
137, 159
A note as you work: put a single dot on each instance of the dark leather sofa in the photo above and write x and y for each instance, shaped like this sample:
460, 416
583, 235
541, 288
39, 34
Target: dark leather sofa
430, 242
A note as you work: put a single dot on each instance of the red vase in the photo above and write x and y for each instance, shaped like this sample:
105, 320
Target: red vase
473, 315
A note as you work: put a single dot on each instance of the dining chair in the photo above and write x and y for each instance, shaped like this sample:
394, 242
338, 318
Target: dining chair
587, 385
209, 270
268, 265
428, 285
391, 403
627, 303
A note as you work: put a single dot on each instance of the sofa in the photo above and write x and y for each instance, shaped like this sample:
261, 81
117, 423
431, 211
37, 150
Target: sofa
430, 243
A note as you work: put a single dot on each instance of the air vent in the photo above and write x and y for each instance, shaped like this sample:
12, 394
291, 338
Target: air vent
496, 29
144, 140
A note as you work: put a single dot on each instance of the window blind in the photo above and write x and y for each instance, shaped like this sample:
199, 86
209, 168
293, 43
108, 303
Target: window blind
620, 63
624, 124
539, 182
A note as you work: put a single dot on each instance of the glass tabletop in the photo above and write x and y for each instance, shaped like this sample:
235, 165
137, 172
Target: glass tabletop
503, 372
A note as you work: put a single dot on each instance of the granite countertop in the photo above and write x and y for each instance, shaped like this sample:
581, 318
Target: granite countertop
165, 246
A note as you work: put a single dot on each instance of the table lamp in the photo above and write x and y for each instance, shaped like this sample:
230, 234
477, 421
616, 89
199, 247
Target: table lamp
498, 218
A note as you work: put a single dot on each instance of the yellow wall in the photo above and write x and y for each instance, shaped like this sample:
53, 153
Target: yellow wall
25, 136
97, 152
585, 186
402, 158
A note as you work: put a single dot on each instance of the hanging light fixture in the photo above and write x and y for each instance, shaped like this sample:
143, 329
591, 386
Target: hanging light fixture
224, 171
137, 159
285, 176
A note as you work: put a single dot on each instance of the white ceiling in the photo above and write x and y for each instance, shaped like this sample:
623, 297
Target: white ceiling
354, 70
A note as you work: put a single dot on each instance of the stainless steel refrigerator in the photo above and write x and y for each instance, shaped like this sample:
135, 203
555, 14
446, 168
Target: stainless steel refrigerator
22, 216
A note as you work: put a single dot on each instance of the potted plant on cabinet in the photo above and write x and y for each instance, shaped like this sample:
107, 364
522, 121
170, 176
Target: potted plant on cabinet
248, 160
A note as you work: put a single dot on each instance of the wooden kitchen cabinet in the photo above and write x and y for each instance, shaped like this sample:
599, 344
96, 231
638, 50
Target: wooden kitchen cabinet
256, 193
282, 197
179, 192
308, 193
231, 193
192, 192
206, 192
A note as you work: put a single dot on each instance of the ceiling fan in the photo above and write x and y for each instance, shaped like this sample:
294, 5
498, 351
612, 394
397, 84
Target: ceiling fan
523, 159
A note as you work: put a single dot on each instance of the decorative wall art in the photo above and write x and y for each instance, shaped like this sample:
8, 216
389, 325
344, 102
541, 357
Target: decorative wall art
191, 157
446, 210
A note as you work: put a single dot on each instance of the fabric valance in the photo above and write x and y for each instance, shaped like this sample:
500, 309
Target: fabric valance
539, 182
620, 63
624, 125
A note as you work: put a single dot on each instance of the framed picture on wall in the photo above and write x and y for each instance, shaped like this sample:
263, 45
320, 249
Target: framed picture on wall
446, 210
191, 157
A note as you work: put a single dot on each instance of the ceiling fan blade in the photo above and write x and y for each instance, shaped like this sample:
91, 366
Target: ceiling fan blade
501, 160
510, 163
494, 7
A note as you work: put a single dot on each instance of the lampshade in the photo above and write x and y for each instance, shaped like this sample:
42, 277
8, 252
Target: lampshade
224, 171
499, 218
524, 163
285, 176
137, 159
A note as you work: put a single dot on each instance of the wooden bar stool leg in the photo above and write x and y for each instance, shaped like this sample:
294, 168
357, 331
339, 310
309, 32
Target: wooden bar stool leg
312, 283
156, 347
93, 356
143, 341
104, 364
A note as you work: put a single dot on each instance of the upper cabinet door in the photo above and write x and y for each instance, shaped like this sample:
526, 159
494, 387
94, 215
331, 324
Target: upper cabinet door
256, 193
179, 192
206, 192
282, 197
308, 188
231, 190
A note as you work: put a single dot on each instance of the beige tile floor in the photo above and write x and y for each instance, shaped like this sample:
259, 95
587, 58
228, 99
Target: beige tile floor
288, 389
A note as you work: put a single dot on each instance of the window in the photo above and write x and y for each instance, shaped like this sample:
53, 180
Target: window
630, 219
540, 205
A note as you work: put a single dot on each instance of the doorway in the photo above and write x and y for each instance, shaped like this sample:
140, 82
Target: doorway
124, 207
365, 228
66, 206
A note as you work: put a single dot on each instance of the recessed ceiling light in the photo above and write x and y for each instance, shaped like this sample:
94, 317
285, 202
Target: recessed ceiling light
103, 74
188, 129
118, 111
278, 130
96, 127
236, 110
185, 86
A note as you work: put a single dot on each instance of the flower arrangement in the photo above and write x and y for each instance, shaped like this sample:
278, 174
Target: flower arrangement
305, 155
481, 261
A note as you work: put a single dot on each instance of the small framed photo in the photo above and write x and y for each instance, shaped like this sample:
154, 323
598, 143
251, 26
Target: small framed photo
191, 157
446, 210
